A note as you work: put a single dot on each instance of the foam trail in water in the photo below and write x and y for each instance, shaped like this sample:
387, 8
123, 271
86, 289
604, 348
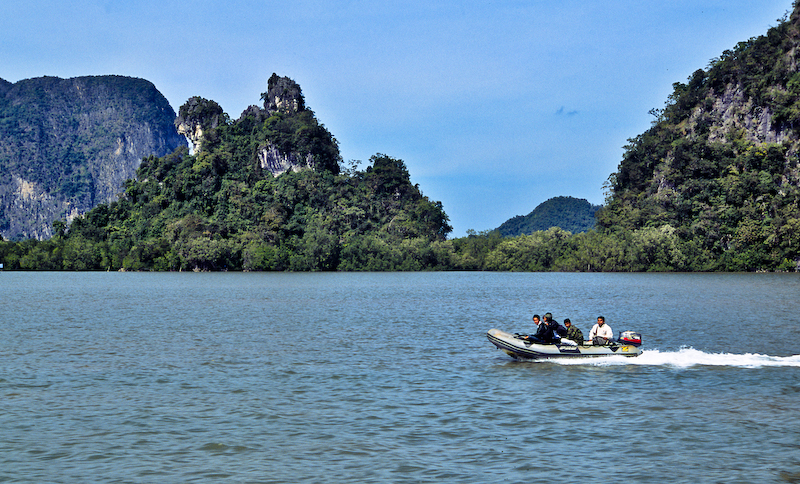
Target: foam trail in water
687, 357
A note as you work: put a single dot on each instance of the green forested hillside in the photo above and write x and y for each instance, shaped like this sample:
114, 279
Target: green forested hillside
567, 213
719, 166
220, 209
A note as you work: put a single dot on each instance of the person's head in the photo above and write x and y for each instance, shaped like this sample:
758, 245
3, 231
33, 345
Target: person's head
536, 319
567, 323
548, 316
601, 320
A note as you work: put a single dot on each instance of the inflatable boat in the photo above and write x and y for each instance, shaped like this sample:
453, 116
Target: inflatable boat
516, 346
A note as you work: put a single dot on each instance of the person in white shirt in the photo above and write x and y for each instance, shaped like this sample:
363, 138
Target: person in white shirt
601, 333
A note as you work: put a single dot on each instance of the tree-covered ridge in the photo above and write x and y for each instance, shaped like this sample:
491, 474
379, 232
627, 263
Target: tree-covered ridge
219, 209
567, 213
719, 165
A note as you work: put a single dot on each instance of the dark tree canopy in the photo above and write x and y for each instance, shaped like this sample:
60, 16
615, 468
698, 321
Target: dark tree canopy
567, 213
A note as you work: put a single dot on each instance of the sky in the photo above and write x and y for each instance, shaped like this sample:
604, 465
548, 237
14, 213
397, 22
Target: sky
494, 106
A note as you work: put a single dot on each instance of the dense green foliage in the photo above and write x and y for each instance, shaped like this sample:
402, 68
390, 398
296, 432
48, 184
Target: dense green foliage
705, 169
189, 213
567, 213
192, 246
220, 210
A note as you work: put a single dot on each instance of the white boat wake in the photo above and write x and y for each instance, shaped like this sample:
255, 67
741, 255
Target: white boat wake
688, 357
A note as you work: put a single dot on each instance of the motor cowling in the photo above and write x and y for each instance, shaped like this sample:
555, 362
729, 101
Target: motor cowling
630, 338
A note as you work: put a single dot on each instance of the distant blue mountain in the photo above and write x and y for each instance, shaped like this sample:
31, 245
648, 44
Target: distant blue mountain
571, 214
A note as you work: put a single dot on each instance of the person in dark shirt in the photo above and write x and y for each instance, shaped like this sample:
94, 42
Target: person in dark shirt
559, 331
545, 330
542, 332
537, 320
555, 329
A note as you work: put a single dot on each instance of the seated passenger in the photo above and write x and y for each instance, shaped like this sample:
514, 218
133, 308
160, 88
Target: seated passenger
573, 333
601, 333
537, 320
544, 332
551, 326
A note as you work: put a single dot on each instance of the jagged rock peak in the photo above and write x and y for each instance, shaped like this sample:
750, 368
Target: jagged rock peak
283, 95
196, 117
256, 113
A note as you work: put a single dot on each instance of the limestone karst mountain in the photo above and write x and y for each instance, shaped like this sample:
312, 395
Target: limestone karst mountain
719, 166
67, 145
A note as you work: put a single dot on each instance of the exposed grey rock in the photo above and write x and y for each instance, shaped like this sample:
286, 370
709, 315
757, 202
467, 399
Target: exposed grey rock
196, 117
284, 95
67, 145
277, 162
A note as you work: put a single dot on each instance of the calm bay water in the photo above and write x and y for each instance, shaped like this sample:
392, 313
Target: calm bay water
268, 378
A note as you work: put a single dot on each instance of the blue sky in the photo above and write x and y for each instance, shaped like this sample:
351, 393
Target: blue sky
495, 106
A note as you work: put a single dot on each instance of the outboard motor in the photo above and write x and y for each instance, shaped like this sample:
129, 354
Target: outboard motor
630, 338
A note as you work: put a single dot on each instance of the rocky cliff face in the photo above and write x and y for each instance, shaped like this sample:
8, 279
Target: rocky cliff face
67, 145
734, 112
195, 118
283, 100
283, 95
277, 162
721, 162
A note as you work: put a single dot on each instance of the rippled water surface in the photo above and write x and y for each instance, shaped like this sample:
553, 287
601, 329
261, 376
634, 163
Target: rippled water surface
267, 378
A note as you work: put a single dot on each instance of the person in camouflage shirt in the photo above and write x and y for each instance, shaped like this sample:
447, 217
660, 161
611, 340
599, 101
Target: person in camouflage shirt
573, 333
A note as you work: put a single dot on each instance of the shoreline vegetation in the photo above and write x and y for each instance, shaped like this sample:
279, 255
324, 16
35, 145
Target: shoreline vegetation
553, 250
657, 249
